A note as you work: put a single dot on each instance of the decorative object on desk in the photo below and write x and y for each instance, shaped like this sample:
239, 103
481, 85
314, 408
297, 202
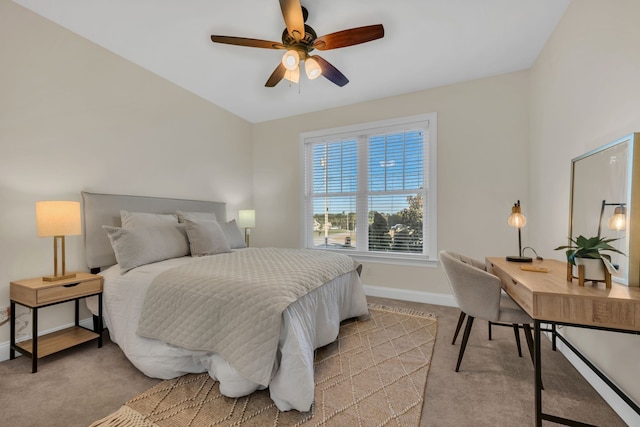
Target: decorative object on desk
616, 222
534, 268
247, 220
58, 219
517, 220
584, 257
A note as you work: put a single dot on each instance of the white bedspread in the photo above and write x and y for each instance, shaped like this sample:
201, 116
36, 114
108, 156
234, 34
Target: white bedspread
309, 323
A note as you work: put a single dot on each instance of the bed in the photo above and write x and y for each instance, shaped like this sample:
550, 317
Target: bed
166, 319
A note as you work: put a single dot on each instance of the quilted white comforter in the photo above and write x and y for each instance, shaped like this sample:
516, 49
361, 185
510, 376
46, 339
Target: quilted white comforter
232, 304
308, 323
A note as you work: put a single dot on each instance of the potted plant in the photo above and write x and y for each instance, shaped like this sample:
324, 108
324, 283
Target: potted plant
587, 252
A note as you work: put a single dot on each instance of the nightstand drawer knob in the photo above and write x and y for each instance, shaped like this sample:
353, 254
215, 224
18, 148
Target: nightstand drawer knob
71, 285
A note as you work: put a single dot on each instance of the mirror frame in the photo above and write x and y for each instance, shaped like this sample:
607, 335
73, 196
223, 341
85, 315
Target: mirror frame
631, 276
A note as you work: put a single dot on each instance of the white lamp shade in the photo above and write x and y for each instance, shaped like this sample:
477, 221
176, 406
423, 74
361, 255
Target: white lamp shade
293, 75
291, 59
312, 68
58, 218
247, 218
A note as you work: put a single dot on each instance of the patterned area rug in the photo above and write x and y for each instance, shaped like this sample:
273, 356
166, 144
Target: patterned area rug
374, 374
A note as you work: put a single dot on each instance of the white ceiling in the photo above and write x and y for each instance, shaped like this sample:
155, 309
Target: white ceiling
427, 43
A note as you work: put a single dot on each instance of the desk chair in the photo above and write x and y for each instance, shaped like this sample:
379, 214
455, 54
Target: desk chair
479, 294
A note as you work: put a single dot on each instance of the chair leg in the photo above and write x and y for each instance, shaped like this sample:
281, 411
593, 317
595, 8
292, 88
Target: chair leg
529, 337
490, 336
458, 326
516, 331
465, 338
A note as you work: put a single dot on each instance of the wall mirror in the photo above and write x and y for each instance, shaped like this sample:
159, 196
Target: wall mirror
605, 202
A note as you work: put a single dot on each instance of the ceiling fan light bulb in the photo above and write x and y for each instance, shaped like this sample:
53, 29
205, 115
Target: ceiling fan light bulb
290, 60
312, 68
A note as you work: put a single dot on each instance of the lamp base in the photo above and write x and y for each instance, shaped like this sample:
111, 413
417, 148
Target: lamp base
60, 277
516, 258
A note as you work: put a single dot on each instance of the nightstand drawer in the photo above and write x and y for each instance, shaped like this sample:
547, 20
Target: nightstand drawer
37, 292
70, 290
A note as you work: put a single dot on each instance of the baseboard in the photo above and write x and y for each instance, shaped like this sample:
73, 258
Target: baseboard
620, 407
408, 295
4, 347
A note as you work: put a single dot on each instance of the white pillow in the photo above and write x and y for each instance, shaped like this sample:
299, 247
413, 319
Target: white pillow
196, 216
144, 219
143, 245
233, 234
206, 238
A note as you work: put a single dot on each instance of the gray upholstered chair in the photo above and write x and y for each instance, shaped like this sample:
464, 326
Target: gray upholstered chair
479, 295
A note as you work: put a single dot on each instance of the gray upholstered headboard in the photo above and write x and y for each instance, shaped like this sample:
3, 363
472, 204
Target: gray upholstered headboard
104, 209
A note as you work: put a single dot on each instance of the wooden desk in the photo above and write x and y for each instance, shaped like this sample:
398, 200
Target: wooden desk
550, 298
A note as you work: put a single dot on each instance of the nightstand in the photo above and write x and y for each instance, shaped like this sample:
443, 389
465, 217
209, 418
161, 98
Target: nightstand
36, 294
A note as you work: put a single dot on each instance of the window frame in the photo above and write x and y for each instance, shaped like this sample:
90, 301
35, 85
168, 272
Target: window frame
428, 122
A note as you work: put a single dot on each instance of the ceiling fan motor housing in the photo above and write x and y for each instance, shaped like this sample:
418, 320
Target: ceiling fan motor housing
304, 45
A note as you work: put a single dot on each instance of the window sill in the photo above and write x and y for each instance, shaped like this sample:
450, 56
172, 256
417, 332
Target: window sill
387, 258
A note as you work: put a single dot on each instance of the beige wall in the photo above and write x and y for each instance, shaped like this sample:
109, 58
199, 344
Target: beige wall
585, 92
74, 117
482, 170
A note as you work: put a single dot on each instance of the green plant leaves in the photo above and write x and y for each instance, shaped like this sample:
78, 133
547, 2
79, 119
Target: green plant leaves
583, 247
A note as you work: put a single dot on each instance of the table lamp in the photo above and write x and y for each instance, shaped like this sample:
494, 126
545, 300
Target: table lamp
247, 219
517, 220
58, 219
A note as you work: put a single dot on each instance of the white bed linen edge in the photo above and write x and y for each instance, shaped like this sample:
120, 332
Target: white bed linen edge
309, 323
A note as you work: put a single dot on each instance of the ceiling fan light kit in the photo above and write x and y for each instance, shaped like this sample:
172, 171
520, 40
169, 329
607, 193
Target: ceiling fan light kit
299, 40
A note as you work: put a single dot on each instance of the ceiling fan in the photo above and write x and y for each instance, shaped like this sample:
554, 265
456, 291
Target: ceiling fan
299, 40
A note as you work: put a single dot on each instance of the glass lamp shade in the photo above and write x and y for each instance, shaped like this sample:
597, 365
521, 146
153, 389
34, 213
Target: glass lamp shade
293, 75
618, 221
312, 68
516, 219
58, 218
291, 59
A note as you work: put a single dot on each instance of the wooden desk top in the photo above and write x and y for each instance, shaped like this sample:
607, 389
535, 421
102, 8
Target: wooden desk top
549, 296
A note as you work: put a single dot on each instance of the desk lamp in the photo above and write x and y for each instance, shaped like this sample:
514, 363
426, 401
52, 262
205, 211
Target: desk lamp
618, 221
517, 220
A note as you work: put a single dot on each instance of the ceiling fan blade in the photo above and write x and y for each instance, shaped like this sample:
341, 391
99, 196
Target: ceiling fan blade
349, 37
276, 76
243, 41
293, 19
331, 72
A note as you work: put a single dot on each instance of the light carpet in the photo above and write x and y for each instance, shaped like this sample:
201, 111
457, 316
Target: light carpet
374, 374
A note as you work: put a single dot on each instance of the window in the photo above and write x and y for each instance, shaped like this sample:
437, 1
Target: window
370, 189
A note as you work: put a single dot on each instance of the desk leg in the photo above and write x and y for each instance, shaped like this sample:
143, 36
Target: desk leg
538, 372
34, 341
12, 351
99, 328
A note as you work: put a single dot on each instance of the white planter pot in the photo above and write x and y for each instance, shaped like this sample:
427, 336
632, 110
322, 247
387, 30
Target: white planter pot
594, 269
